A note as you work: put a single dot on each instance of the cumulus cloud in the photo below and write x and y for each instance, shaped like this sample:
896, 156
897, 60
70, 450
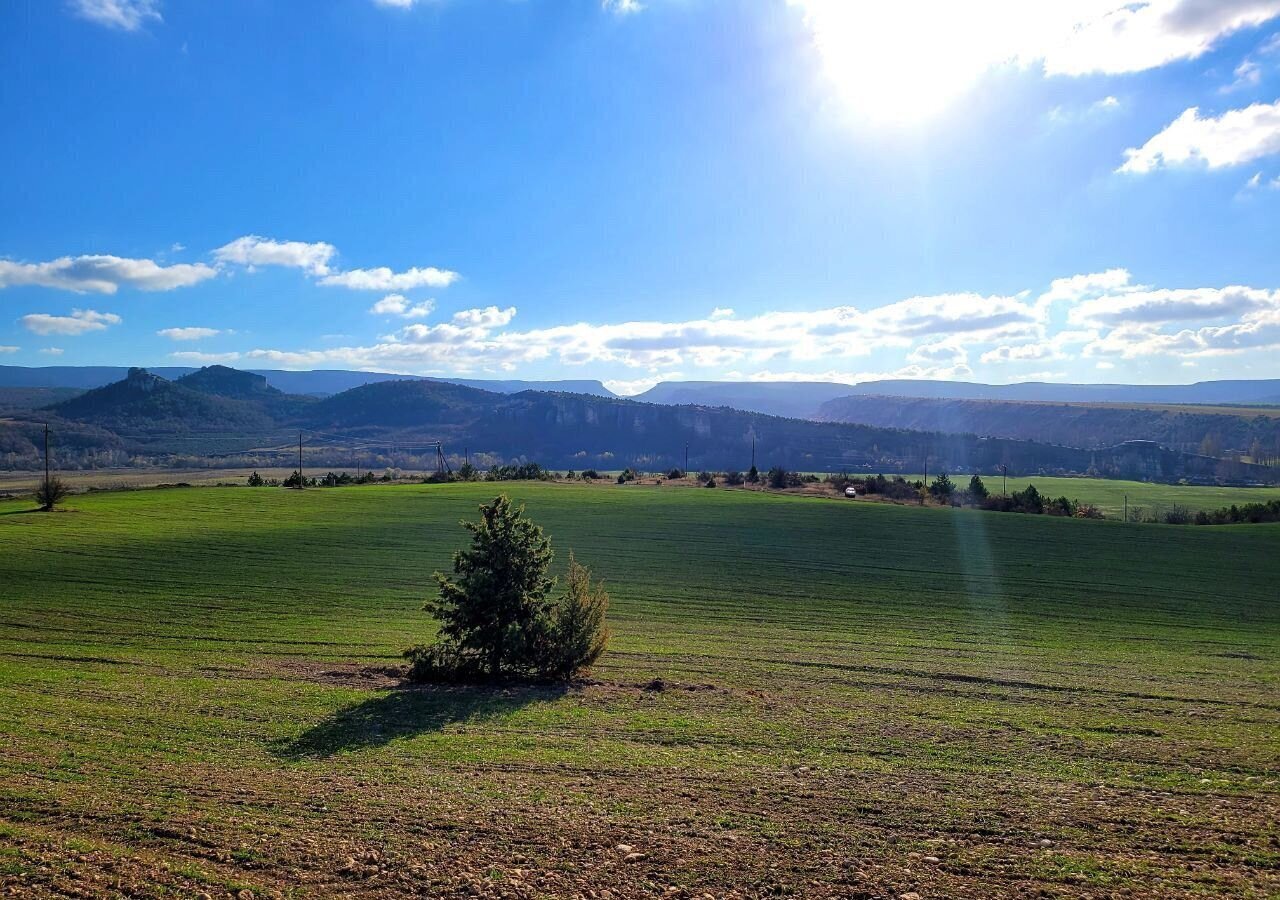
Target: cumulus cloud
489, 317
188, 334
400, 305
1145, 307
480, 338
8, 348
384, 279
102, 274
945, 352
125, 15
1041, 350
81, 321
1106, 314
252, 250
1236, 137
53, 351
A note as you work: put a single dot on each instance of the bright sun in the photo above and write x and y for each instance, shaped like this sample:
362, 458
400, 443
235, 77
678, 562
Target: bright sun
906, 61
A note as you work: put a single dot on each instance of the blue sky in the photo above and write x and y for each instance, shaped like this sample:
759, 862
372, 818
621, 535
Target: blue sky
639, 191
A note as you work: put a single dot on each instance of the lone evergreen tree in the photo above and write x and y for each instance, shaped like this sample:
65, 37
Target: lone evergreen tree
977, 490
497, 617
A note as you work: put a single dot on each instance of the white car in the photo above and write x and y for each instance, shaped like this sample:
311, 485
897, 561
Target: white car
851, 492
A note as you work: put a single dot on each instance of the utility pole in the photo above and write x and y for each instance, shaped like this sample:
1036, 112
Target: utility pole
753, 451
686, 459
46, 460
299, 460
1126, 507
1004, 470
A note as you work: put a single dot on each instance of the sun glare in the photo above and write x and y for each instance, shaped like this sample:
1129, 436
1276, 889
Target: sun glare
904, 62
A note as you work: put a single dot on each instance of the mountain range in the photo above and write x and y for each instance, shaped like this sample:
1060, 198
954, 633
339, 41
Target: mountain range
238, 416
804, 399
318, 382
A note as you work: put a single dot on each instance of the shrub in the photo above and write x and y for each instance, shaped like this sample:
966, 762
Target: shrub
674, 474
1060, 507
626, 475
577, 633
1087, 511
497, 620
1028, 500
710, 482
942, 488
1177, 515
590, 475
977, 490
51, 492
527, 472
256, 480
468, 472
733, 479
777, 478
753, 475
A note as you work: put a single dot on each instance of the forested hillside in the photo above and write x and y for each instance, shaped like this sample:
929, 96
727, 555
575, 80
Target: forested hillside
1214, 431
225, 416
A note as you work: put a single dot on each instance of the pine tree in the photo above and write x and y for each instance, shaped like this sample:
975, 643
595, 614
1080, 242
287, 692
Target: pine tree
495, 605
977, 490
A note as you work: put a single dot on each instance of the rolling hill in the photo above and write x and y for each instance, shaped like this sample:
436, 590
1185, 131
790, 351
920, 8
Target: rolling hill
1186, 427
238, 416
319, 382
803, 400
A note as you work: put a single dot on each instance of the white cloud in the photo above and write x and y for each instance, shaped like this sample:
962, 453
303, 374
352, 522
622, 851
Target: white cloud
1075, 288
252, 250
53, 351
1248, 74
102, 274
722, 312
383, 279
1106, 315
621, 7
907, 59
188, 334
126, 15
204, 359
1145, 307
395, 4
1042, 350
400, 305
9, 349
1237, 136
80, 321
489, 317
944, 352
639, 385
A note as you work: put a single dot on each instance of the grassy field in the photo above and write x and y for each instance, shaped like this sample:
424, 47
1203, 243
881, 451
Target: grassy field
802, 698
1109, 495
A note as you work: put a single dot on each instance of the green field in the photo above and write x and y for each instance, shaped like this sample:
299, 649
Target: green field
1109, 495
856, 700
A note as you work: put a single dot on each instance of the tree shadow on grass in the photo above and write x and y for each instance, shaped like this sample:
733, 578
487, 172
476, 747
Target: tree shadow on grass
408, 711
